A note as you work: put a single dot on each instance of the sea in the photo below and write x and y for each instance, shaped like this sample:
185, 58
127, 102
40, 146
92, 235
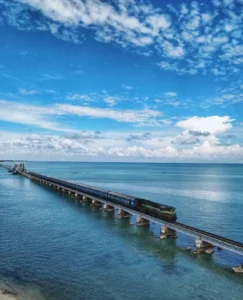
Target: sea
53, 247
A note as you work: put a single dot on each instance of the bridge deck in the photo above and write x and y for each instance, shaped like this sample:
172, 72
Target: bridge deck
214, 239
6, 167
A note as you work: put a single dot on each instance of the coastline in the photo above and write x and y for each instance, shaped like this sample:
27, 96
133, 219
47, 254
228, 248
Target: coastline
6, 294
10, 290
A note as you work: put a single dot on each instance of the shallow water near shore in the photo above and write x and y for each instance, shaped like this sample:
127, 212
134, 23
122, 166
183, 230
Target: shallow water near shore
65, 250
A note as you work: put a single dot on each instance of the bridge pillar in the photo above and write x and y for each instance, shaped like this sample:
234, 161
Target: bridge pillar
108, 207
122, 214
95, 203
203, 247
166, 232
78, 196
238, 269
86, 199
141, 221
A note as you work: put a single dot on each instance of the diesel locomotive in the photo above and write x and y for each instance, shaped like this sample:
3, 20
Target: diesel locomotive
157, 210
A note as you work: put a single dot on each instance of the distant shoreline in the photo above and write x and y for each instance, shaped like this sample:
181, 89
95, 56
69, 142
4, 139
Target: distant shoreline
6, 294
125, 162
10, 290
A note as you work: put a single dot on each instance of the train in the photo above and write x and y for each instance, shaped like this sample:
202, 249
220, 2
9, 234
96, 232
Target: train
157, 210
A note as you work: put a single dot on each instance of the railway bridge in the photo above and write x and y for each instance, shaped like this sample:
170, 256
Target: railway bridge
205, 242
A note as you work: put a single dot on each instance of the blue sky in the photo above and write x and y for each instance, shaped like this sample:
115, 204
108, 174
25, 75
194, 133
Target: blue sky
121, 80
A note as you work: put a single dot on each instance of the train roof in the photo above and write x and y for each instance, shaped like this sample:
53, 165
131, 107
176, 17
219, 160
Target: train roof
81, 184
98, 189
123, 195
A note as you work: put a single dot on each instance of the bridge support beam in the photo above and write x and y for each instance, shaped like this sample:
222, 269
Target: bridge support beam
108, 207
166, 232
122, 214
203, 247
141, 221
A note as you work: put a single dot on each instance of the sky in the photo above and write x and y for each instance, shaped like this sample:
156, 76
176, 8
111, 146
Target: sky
121, 80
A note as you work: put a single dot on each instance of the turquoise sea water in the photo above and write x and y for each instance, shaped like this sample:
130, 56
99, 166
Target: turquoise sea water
73, 251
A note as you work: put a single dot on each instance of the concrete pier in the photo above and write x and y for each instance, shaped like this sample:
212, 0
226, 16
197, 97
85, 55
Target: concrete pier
86, 199
122, 214
141, 221
238, 269
108, 207
203, 247
166, 232
96, 203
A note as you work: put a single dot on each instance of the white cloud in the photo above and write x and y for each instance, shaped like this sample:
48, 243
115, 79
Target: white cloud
111, 101
43, 117
27, 114
28, 92
172, 51
205, 33
80, 97
127, 87
206, 17
228, 2
158, 23
170, 94
213, 124
194, 143
130, 116
220, 39
57, 147
228, 96
194, 23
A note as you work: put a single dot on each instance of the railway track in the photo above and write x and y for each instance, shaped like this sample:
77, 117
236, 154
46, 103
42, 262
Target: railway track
210, 235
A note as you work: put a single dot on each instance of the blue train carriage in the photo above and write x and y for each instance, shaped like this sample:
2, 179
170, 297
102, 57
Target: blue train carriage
122, 199
54, 180
83, 188
98, 192
157, 210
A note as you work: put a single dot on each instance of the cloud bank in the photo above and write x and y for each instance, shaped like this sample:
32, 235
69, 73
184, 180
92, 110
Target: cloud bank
190, 38
197, 142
